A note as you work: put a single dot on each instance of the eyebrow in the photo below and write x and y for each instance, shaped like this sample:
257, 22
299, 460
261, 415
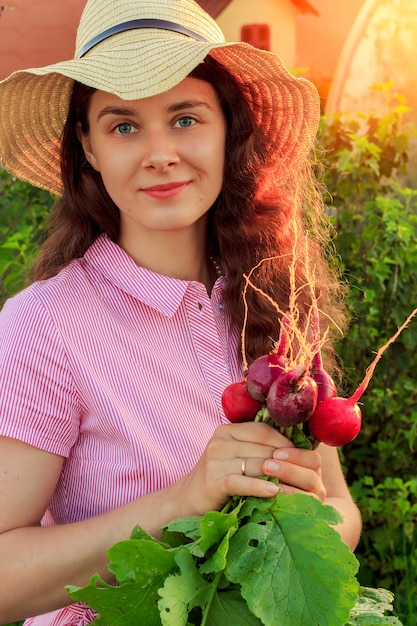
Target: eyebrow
114, 111
173, 108
188, 104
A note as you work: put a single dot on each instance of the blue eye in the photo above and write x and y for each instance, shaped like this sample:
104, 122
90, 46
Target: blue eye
124, 129
185, 122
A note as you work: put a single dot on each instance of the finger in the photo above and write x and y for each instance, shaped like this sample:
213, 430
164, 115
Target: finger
288, 490
251, 467
255, 432
305, 458
249, 486
261, 440
299, 477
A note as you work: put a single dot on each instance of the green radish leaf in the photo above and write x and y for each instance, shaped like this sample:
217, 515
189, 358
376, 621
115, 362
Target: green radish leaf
187, 526
228, 608
139, 533
293, 567
140, 567
179, 592
218, 560
214, 526
119, 606
298, 503
300, 439
188, 590
207, 530
371, 607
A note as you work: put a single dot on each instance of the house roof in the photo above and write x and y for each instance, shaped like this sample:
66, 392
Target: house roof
305, 7
215, 7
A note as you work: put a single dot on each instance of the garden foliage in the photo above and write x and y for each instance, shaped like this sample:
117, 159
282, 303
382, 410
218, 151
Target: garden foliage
375, 216
23, 211
375, 219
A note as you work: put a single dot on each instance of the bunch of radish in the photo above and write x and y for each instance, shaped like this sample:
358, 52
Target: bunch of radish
294, 393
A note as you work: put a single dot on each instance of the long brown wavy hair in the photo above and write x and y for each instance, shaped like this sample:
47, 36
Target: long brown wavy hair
255, 217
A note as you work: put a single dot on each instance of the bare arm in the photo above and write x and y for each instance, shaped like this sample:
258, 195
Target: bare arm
338, 495
36, 563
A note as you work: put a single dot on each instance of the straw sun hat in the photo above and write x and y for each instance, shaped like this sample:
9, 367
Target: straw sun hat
139, 48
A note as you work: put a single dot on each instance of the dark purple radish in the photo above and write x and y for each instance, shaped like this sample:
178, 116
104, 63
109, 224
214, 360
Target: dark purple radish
325, 383
326, 387
261, 373
238, 405
337, 421
292, 397
283, 341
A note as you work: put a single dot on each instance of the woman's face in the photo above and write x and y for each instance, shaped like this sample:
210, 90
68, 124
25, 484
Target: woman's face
161, 158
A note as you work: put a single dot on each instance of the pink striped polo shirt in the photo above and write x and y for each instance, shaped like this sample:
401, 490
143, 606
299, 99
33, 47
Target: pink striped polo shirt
121, 371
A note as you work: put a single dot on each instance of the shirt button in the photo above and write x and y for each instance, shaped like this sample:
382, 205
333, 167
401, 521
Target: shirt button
220, 306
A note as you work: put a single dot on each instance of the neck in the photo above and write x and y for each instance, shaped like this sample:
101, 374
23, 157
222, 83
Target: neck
179, 255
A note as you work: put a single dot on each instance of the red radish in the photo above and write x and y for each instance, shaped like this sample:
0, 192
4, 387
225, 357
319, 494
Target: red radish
238, 404
262, 372
292, 397
337, 421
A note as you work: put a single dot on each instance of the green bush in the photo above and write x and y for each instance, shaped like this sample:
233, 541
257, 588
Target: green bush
375, 217
22, 218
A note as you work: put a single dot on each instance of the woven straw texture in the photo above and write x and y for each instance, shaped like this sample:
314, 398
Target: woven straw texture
140, 63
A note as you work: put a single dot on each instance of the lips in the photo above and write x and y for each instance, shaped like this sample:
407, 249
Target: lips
168, 190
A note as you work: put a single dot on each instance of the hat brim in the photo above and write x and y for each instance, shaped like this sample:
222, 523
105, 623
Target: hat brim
34, 102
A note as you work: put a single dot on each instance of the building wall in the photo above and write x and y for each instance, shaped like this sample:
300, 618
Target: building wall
37, 32
279, 15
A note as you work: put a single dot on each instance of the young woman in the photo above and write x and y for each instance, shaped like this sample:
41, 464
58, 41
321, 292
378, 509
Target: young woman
179, 161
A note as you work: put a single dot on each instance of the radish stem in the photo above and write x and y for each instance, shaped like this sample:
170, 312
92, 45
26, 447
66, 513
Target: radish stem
370, 370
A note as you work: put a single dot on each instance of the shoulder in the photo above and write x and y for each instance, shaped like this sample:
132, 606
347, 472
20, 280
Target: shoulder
38, 297
36, 315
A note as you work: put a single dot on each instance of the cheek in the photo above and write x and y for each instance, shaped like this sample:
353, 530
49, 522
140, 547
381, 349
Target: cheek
211, 157
217, 165
114, 168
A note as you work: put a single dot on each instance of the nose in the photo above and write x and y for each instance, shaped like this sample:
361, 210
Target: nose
159, 150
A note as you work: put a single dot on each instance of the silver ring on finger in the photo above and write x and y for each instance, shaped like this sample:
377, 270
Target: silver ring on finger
243, 466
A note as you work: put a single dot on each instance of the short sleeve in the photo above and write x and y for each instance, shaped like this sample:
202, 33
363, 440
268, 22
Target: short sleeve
39, 404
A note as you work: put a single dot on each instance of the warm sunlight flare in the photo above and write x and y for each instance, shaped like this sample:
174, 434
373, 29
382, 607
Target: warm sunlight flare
378, 60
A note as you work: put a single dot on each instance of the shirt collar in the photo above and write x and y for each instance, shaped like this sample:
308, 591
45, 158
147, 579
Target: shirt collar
161, 292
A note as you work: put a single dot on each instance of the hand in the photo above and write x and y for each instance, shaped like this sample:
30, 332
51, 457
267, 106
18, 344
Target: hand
298, 471
218, 474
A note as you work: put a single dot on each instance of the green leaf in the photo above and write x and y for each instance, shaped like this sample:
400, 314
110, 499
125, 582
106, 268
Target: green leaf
371, 607
179, 591
188, 590
293, 567
188, 526
140, 567
228, 608
214, 526
218, 560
